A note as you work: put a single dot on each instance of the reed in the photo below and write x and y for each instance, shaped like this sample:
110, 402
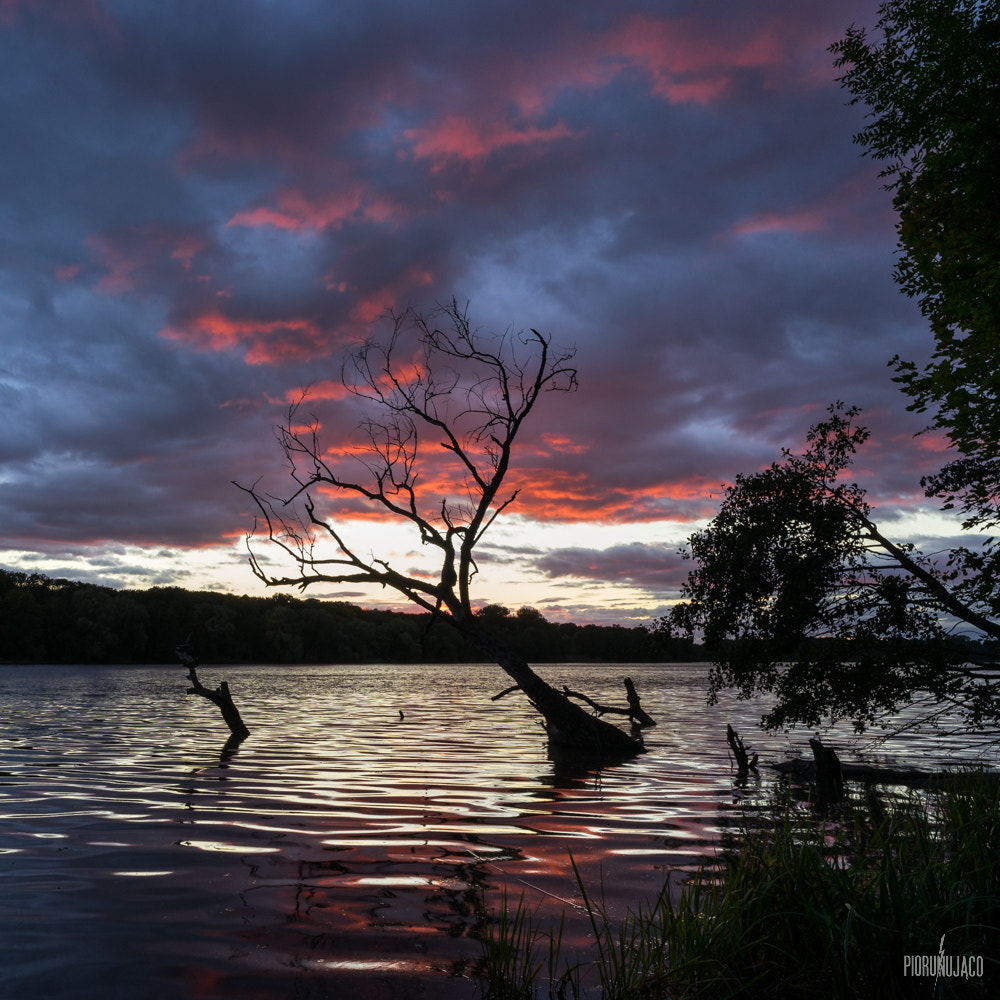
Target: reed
803, 905
520, 952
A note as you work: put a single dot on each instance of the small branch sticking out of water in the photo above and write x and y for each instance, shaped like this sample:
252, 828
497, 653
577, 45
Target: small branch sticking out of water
636, 712
220, 696
506, 691
744, 763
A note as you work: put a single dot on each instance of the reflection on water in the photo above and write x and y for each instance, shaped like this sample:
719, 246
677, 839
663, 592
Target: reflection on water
339, 851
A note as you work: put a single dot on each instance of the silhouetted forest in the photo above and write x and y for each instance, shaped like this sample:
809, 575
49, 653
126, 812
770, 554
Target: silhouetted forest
46, 620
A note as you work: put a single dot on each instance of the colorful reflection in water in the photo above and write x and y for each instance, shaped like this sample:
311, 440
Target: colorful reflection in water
341, 850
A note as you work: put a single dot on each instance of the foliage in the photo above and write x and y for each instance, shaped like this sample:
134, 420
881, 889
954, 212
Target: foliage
797, 593
45, 620
807, 906
814, 908
931, 79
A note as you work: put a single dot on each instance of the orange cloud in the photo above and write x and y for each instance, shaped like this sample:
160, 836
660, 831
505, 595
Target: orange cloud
277, 340
326, 389
561, 444
545, 494
555, 495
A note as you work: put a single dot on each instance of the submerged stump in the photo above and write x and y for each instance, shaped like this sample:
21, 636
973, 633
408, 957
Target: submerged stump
744, 763
829, 777
219, 696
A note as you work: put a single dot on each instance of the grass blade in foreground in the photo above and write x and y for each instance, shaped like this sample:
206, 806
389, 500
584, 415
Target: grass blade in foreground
804, 907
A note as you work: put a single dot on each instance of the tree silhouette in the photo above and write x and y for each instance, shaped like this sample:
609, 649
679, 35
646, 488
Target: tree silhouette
798, 594
444, 406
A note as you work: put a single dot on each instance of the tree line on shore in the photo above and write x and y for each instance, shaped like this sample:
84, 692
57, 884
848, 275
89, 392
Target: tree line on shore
47, 620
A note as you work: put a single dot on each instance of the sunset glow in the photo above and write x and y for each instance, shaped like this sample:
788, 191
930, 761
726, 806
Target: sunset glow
205, 217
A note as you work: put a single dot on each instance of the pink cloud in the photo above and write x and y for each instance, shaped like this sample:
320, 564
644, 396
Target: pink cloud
804, 220
682, 63
135, 257
829, 211
295, 211
122, 265
684, 60
223, 140
186, 249
458, 137
375, 305
935, 442
67, 273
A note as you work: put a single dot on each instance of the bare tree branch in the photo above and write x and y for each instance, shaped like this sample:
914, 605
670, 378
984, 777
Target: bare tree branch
428, 389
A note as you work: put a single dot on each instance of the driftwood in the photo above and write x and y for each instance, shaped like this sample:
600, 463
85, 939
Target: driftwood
829, 775
219, 696
635, 711
805, 770
638, 714
744, 762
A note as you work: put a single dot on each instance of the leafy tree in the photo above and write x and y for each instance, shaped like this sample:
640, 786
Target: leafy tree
467, 396
931, 79
798, 594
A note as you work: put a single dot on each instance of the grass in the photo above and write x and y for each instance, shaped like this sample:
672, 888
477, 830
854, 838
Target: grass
517, 948
803, 905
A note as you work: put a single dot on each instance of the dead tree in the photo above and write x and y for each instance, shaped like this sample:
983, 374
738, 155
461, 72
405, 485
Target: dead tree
448, 404
220, 696
744, 763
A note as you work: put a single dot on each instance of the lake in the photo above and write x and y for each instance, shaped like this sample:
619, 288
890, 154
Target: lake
340, 851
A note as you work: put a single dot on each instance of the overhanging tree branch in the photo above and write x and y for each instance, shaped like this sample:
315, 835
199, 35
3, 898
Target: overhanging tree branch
797, 593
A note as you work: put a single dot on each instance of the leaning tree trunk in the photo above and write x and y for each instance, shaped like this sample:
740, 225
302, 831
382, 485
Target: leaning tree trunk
569, 726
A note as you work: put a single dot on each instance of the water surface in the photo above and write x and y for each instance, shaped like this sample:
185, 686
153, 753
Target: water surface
340, 851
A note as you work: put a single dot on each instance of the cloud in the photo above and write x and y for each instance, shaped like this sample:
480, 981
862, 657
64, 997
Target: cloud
200, 216
658, 569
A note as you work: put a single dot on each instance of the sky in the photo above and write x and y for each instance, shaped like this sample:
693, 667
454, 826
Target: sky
204, 207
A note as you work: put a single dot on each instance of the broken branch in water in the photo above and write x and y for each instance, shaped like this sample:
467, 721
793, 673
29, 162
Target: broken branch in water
634, 711
744, 763
219, 696
506, 691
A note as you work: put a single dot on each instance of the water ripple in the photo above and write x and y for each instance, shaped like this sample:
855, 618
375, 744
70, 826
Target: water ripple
339, 841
